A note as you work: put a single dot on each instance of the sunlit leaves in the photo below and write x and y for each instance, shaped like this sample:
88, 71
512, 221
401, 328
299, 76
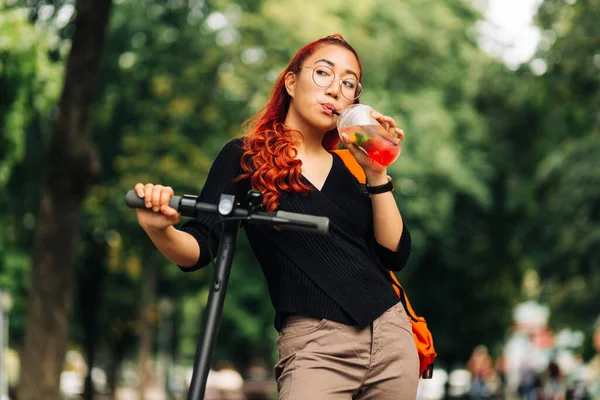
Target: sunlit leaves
23, 59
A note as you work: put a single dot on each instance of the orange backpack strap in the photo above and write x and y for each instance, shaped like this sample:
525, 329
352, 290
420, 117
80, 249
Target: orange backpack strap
352, 165
398, 288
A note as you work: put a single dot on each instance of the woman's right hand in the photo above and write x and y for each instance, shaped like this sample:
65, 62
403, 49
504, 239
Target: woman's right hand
157, 215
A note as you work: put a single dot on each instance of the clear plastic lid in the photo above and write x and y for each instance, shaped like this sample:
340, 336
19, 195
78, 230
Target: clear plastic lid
356, 114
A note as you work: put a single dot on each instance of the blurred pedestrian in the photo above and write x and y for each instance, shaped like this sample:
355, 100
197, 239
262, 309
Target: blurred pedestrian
485, 381
553, 383
592, 378
229, 382
530, 383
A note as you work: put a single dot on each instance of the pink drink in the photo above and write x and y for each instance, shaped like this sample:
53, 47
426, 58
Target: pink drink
375, 141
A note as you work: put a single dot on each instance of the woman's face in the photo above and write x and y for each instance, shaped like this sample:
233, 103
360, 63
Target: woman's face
311, 106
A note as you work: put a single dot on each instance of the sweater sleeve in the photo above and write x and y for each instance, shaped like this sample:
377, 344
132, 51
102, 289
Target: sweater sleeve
395, 260
205, 228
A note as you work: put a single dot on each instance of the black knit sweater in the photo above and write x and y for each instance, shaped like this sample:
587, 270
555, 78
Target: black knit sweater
340, 276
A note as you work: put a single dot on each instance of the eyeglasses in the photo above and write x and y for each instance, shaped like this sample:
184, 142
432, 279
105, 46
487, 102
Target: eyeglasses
324, 76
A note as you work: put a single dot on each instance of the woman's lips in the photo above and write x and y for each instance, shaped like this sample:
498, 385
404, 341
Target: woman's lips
329, 109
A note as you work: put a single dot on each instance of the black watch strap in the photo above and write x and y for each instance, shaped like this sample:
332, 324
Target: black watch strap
386, 187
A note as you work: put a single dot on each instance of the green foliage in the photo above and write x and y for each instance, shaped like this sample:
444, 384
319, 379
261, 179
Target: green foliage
548, 131
29, 87
496, 177
29, 83
567, 178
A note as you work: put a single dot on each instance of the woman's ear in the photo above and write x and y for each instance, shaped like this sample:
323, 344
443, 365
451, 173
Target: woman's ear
290, 83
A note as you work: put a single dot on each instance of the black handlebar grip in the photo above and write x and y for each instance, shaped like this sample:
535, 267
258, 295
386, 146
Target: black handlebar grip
320, 224
174, 202
134, 201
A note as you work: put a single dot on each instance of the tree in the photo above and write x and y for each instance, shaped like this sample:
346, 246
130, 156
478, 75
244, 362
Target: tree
567, 179
29, 87
177, 80
543, 116
71, 163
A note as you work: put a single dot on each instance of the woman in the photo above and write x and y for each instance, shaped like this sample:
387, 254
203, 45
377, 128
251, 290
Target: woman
342, 331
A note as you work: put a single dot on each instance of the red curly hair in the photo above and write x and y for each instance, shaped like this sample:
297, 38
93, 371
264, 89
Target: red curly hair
269, 157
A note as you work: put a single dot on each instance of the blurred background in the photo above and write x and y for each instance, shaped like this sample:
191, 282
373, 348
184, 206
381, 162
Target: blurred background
498, 181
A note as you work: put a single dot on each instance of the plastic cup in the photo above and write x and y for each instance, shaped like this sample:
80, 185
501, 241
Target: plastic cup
368, 134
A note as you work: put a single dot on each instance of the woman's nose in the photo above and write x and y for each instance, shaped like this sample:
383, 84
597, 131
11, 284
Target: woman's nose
333, 89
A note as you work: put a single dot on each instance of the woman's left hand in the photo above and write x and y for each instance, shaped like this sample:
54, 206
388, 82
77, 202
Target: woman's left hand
367, 163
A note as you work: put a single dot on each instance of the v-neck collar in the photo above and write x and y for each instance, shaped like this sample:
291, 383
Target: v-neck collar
327, 178
340, 194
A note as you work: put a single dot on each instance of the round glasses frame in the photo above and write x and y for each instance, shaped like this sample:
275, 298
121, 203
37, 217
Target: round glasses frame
327, 81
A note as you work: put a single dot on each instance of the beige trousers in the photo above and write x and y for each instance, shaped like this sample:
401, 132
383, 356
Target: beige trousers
322, 359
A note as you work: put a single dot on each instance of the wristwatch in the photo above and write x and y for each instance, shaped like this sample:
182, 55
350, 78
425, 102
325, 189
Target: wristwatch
386, 187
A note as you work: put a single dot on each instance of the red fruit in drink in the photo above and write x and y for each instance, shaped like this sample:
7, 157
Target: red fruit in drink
381, 151
374, 141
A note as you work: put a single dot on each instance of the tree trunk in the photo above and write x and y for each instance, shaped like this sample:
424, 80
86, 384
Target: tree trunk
70, 166
91, 280
117, 350
147, 323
